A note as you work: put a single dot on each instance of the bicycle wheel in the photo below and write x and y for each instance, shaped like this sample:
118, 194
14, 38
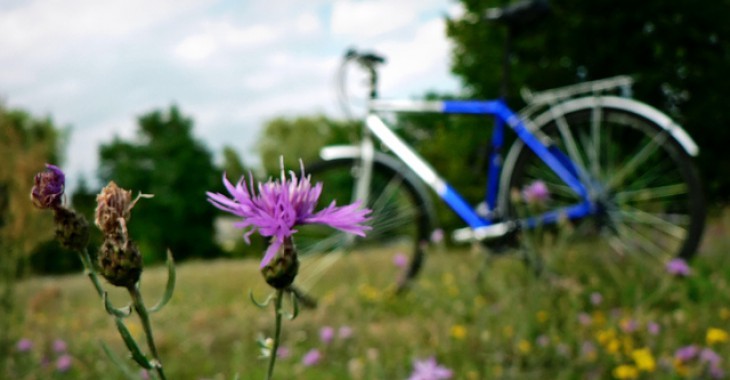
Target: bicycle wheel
645, 189
391, 253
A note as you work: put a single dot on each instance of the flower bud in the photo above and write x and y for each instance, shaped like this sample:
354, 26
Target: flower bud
120, 264
281, 271
113, 205
72, 229
47, 191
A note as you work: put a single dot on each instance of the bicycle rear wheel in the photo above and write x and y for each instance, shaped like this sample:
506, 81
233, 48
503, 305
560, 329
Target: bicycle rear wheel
644, 186
392, 252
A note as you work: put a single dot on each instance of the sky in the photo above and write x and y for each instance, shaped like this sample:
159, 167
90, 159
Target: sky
95, 66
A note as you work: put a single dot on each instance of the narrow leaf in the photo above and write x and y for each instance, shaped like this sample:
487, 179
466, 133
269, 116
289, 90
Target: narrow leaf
114, 358
123, 312
170, 288
132, 346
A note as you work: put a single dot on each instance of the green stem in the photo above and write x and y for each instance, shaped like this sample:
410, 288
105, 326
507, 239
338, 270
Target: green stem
89, 270
147, 326
277, 333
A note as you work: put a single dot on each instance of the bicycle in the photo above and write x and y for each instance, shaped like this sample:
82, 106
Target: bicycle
619, 173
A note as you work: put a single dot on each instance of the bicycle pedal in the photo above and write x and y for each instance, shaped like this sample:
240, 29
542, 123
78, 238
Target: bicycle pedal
493, 231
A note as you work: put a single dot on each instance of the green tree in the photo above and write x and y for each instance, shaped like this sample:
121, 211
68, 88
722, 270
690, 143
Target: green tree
299, 138
26, 143
677, 50
167, 161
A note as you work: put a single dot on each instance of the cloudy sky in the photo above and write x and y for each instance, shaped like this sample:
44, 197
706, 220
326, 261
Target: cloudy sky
95, 65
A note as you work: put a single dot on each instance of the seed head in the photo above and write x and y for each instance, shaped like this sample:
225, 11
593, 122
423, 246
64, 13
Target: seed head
113, 207
72, 229
120, 264
47, 191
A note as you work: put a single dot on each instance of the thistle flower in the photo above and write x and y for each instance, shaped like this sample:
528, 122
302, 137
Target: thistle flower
686, 353
59, 346
326, 334
429, 370
536, 192
24, 345
678, 267
113, 209
279, 206
120, 261
47, 191
63, 363
312, 357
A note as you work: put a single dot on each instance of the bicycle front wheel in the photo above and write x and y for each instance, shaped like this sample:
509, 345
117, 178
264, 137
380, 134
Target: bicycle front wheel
391, 253
645, 190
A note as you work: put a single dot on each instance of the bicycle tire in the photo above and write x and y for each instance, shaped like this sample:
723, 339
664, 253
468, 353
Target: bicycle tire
394, 245
650, 194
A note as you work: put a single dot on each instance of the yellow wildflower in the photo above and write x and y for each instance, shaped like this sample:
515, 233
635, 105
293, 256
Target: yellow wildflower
715, 335
626, 372
458, 332
644, 360
524, 346
542, 316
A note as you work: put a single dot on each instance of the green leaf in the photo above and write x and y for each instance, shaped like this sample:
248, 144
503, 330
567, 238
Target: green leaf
132, 346
114, 358
116, 312
170, 288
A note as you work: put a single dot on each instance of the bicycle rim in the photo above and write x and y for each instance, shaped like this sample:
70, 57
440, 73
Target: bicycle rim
646, 190
389, 256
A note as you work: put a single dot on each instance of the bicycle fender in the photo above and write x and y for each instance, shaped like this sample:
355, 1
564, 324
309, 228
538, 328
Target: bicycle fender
336, 152
629, 105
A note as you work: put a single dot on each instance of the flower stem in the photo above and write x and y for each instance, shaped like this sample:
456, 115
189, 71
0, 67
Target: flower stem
277, 332
144, 317
90, 272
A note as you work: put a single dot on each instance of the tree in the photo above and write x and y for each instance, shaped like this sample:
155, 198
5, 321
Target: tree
678, 52
26, 143
299, 138
167, 161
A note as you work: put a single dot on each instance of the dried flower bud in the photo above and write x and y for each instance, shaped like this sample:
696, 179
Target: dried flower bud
48, 188
72, 229
113, 209
120, 264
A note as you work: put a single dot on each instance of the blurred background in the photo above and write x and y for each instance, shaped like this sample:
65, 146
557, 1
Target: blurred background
164, 96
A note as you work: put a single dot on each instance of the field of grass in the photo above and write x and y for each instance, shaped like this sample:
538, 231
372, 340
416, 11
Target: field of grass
592, 318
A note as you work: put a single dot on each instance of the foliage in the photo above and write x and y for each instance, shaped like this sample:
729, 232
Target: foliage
26, 143
677, 50
166, 160
300, 137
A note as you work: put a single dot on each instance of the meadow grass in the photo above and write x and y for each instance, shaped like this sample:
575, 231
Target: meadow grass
591, 317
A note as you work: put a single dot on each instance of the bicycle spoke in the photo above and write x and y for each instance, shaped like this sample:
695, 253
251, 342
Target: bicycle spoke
648, 194
657, 222
595, 153
637, 159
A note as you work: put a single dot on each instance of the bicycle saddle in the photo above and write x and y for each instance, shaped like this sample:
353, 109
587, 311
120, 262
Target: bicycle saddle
519, 14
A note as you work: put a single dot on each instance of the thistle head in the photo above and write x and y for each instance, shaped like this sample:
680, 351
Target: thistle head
72, 229
113, 209
47, 191
120, 264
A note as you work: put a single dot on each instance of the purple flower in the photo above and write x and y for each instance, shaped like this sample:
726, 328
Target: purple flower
686, 353
596, 298
710, 357
429, 370
63, 363
345, 332
653, 328
326, 334
24, 345
47, 191
283, 352
312, 357
584, 319
282, 205
400, 260
678, 267
59, 346
437, 236
536, 192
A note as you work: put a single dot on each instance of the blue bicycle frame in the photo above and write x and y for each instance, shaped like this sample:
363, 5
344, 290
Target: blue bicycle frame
556, 160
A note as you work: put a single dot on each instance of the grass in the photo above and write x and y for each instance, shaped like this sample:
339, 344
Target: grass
505, 324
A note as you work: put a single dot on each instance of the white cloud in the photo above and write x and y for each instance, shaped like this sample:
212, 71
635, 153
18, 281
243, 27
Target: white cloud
370, 18
224, 36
